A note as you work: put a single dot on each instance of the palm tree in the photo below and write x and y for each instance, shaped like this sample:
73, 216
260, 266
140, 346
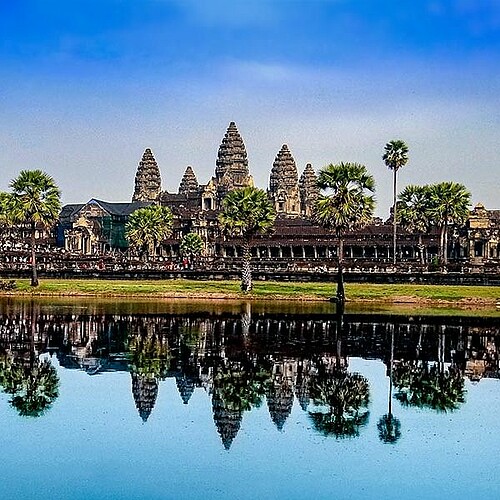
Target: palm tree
346, 205
191, 246
450, 206
6, 213
246, 213
414, 212
36, 200
147, 227
5, 209
395, 157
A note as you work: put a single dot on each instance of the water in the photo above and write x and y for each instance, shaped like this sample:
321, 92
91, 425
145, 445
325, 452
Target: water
122, 400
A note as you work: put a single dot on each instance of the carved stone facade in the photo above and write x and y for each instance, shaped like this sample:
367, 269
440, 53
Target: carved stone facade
483, 234
95, 227
147, 179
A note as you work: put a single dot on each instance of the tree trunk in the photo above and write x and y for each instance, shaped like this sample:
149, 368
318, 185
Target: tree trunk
340, 296
441, 244
246, 272
394, 215
34, 274
445, 243
421, 250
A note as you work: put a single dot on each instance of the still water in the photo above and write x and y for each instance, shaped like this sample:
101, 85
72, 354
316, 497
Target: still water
154, 400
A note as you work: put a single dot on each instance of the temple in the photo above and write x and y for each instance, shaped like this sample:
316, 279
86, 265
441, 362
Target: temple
96, 229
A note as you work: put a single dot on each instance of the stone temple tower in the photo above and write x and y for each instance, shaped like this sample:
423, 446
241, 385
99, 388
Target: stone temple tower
309, 190
189, 183
283, 184
147, 179
231, 171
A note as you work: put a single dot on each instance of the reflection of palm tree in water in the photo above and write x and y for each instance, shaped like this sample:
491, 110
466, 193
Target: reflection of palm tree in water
389, 427
426, 385
239, 386
149, 362
341, 397
33, 386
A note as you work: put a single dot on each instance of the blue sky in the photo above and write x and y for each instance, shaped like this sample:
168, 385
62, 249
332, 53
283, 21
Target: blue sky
86, 86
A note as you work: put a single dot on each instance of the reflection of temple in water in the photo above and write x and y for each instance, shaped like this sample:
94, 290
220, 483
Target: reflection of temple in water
243, 361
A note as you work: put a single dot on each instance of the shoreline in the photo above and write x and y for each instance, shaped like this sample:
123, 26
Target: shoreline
466, 297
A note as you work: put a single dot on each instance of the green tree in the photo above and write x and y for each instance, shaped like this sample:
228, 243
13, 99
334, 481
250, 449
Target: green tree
395, 157
147, 227
450, 206
191, 246
246, 213
6, 213
345, 205
413, 213
36, 201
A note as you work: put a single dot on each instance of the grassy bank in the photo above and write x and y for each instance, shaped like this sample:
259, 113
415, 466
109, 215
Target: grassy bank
418, 294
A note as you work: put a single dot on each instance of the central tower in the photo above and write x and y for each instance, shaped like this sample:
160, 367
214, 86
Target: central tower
231, 171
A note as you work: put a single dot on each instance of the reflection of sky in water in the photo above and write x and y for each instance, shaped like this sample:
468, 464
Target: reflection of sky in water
93, 444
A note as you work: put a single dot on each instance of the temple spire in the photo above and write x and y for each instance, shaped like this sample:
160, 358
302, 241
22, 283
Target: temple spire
283, 183
309, 190
232, 155
231, 171
147, 179
189, 182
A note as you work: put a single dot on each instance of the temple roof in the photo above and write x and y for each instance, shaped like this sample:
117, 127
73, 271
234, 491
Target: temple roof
120, 208
68, 212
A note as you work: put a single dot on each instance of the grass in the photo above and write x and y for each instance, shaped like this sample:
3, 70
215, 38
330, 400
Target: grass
355, 292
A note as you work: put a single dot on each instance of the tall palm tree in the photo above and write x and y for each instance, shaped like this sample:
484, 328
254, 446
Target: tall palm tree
395, 157
191, 246
246, 213
147, 227
345, 205
36, 200
450, 206
414, 212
